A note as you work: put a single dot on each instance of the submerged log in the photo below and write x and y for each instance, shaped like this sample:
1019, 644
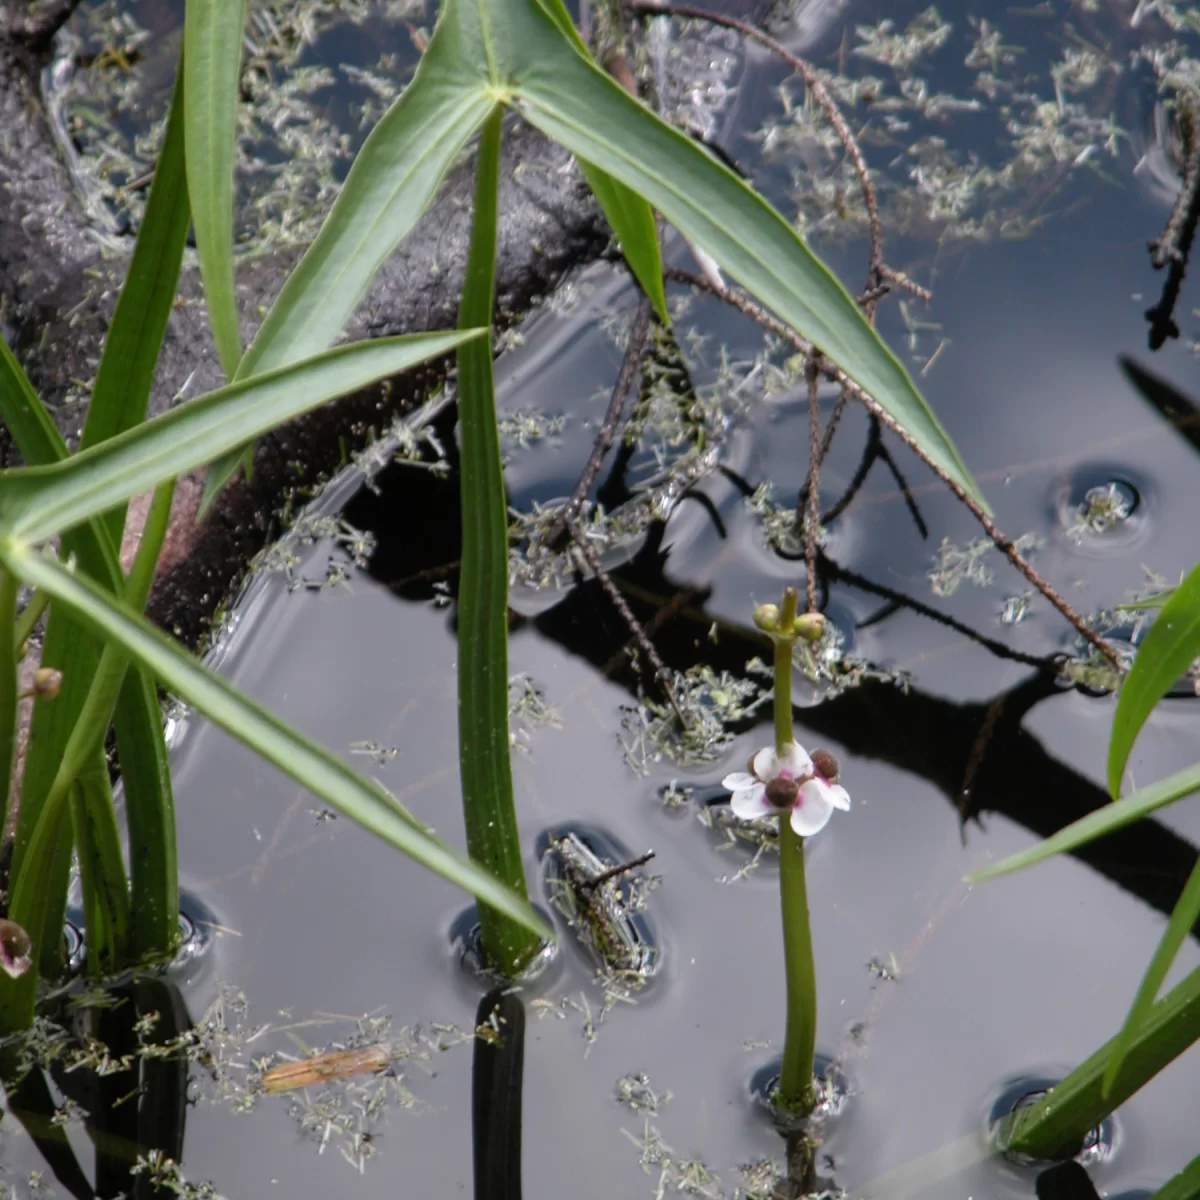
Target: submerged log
59, 279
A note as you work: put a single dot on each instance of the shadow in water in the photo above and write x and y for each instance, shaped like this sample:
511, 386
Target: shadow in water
134, 1101
497, 1075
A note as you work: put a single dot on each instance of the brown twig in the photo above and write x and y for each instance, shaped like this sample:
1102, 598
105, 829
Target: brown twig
1173, 247
661, 673
999, 539
608, 429
879, 274
812, 523
590, 885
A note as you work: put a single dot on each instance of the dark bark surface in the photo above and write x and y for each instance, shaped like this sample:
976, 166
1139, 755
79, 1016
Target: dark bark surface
59, 281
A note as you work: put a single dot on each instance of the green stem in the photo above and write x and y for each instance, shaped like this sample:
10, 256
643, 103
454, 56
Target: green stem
28, 619
784, 640
493, 839
795, 1079
795, 1093
8, 683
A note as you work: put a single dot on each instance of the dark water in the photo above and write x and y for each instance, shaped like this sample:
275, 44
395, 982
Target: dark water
1024, 976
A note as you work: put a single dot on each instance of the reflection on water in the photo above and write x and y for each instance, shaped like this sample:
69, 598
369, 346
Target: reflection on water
957, 737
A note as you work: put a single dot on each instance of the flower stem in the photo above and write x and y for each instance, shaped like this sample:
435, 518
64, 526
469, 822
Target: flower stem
795, 1094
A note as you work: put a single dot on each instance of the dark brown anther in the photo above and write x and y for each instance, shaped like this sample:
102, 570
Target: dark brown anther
826, 765
750, 764
782, 792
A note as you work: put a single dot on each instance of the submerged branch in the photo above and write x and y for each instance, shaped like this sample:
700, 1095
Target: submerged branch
999, 539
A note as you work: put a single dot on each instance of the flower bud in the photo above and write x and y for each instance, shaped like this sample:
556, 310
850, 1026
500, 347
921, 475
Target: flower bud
826, 765
16, 950
766, 617
782, 792
47, 682
810, 626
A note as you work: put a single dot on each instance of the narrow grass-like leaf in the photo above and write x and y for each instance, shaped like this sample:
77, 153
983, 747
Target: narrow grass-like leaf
145, 771
1055, 1125
1163, 656
36, 906
1103, 821
25, 415
631, 218
312, 766
1183, 918
569, 98
212, 59
76, 655
38, 502
106, 908
8, 685
483, 739
1184, 1186
126, 372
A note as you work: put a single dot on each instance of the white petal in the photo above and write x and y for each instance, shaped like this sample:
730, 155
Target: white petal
751, 803
839, 797
738, 780
764, 764
813, 808
795, 761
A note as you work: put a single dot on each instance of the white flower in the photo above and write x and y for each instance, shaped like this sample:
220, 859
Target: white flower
789, 780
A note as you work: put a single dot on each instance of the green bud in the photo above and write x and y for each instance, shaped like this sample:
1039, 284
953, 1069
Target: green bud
766, 617
810, 626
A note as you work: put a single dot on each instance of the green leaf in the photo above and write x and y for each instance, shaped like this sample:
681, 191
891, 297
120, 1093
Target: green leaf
569, 98
312, 766
8, 687
632, 220
1184, 1186
36, 906
126, 372
1183, 918
106, 908
1098, 824
38, 502
1055, 1125
493, 839
25, 415
393, 179
1163, 656
212, 59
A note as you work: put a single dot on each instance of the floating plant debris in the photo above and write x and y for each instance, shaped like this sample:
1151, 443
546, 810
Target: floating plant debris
1103, 507
602, 898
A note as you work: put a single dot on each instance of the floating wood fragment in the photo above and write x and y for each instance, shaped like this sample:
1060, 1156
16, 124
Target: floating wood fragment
321, 1068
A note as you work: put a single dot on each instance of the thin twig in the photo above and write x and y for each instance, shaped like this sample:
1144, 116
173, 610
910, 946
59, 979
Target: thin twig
1172, 248
661, 673
812, 486
879, 274
590, 885
999, 539
612, 418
